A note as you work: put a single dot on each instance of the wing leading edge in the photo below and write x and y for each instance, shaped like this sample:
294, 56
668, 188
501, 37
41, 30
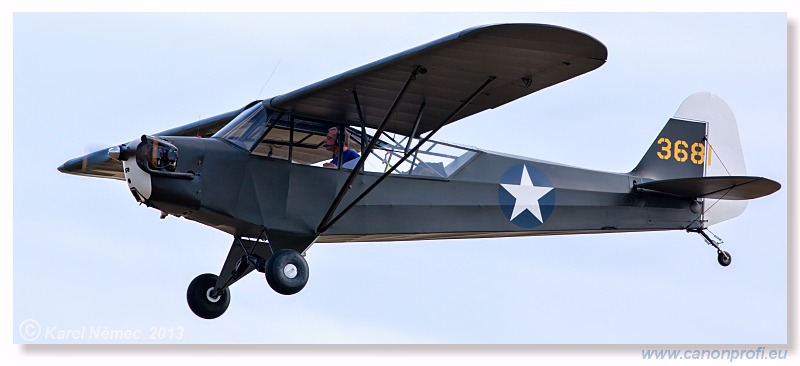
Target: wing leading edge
524, 58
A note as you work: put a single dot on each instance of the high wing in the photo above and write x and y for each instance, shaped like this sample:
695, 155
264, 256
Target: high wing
523, 58
99, 164
519, 59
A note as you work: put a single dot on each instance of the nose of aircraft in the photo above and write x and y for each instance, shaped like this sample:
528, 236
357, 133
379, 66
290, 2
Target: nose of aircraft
139, 181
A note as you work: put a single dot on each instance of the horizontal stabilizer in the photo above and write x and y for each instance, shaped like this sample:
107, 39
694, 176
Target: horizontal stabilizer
726, 188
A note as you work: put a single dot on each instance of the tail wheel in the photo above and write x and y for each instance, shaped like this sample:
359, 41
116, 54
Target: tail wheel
204, 301
287, 272
724, 258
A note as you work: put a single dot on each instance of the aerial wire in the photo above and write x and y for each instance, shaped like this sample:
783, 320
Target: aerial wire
268, 79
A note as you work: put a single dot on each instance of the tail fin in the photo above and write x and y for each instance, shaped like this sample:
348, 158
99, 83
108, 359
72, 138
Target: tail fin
679, 151
701, 140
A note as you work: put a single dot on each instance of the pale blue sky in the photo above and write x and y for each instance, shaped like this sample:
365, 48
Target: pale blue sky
85, 255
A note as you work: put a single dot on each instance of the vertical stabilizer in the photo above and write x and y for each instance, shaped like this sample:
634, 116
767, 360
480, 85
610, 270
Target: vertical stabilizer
702, 139
677, 152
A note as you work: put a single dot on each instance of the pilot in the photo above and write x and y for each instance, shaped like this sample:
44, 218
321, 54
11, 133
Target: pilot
330, 145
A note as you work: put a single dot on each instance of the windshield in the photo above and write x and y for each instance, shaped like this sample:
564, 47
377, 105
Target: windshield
247, 128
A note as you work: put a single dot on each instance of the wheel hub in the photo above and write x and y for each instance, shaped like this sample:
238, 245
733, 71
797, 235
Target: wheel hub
210, 295
290, 271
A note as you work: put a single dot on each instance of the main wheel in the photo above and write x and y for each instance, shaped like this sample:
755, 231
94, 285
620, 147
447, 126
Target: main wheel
200, 299
724, 258
287, 272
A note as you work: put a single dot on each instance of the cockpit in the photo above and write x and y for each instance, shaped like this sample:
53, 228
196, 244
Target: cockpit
300, 140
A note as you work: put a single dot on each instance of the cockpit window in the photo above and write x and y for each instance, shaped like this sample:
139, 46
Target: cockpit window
296, 139
300, 140
247, 128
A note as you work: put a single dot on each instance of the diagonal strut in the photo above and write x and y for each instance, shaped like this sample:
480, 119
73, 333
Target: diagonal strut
323, 228
364, 154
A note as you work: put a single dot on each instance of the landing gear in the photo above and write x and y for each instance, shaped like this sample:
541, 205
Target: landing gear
287, 272
723, 257
205, 300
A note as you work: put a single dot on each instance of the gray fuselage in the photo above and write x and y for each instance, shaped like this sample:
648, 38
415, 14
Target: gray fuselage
241, 194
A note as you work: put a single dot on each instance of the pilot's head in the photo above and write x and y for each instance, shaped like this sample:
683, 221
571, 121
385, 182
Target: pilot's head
330, 139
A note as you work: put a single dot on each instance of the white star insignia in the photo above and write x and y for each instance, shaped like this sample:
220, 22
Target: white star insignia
526, 195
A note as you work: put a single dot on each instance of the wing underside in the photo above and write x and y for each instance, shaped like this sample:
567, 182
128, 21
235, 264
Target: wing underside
522, 59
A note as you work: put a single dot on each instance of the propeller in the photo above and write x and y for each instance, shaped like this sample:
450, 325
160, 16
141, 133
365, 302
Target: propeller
96, 163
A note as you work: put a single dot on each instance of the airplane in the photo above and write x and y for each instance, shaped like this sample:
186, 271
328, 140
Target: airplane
263, 174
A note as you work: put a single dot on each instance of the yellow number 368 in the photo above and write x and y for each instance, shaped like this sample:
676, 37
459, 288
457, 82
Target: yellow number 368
681, 151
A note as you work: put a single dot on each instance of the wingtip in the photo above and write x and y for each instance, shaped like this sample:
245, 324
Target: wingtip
66, 167
71, 166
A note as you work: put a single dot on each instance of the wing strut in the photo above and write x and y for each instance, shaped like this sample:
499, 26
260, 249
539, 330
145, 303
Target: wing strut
346, 187
322, 228
364, 137
416, 125
414, 132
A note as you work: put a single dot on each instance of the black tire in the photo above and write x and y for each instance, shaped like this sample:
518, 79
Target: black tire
724, 258
199, 300
287, 272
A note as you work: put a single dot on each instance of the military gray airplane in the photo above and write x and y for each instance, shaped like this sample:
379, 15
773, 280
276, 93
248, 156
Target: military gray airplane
269, 173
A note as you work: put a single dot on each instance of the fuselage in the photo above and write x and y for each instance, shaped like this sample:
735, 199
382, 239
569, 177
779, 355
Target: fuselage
490, 195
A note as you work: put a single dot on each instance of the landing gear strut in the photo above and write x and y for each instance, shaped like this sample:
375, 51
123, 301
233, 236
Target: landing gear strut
723, 257
286, 271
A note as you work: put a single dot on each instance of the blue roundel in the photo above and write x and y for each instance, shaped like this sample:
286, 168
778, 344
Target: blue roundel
526, 196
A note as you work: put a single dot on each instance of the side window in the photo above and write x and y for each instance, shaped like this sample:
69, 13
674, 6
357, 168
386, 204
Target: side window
433, 159
299, 140
275, 144
308, 148
313, 142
